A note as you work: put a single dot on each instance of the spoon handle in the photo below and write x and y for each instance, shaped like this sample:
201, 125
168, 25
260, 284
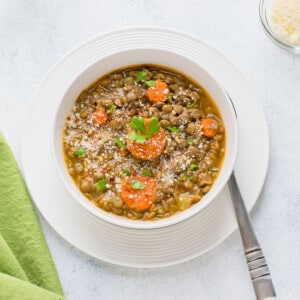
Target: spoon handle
257, 265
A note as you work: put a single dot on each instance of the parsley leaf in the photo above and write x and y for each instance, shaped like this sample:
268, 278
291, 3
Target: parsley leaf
214, 169
137, 123
101, 185
182, 177
111, 109
137, 137
137, 185
190, 141
119, 143
170, 98
194, 167
150, 83
191, 105
172, 129
126, 172
140, 76
153, 126
148, 173
80, 151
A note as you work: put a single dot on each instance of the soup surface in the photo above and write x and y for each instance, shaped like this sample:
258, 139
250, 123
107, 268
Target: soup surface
144, 142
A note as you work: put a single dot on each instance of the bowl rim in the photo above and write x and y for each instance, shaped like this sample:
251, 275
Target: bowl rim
145, 224
263, 8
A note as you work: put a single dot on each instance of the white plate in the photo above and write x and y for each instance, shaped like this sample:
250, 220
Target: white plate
133, 247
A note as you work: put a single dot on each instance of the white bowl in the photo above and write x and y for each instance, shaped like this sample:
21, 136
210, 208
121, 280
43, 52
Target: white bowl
104, 240
158, 57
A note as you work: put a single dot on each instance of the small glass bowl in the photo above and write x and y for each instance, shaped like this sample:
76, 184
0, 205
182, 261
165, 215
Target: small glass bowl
265, 13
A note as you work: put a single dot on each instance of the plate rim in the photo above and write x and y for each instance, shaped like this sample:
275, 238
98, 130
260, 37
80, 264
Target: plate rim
116, 32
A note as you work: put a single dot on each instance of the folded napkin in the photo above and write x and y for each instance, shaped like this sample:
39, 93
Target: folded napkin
27, 270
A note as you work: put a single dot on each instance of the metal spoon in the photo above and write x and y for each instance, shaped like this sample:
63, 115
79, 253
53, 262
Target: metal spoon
257, 265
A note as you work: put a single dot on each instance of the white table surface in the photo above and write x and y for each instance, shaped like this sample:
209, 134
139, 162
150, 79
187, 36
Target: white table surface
35, 34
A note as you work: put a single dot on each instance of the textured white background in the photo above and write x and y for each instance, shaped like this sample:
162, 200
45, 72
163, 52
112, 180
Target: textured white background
35, 34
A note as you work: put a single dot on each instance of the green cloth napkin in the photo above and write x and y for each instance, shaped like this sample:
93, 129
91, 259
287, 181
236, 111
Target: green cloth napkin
27, 270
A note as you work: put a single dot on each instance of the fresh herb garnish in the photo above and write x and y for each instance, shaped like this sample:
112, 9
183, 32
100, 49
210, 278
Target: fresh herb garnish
119, 143
182, 177
172, 129
194, 167
138, 124
101, 185
137, 137
126, 172
214, 169
137, 185
80, 151
140, 76
148, 173
153, 126
150, 83
111, 109
191, 105
190, 141
170, 98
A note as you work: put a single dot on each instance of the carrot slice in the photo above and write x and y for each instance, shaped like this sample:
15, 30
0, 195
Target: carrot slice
140, 199
210, 127
152, 146
159, 92
100, 116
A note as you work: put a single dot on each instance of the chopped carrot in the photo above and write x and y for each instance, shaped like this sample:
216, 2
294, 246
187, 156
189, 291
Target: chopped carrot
139, 198
159, 92
100, 116
152, 146
210, 127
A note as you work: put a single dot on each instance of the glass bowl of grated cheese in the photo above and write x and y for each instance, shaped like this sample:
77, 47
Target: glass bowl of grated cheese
281, 22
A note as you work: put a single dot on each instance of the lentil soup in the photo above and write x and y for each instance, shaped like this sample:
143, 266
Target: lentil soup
144, 142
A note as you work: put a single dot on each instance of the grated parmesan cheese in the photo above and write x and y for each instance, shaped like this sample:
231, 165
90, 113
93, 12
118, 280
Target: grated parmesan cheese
286, 20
